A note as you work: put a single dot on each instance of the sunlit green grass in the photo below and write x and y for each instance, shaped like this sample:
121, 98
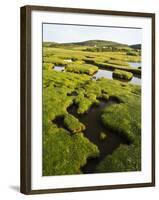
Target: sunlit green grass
66, 149
122, 74
125, 158
64, 154
82, 68
73, 124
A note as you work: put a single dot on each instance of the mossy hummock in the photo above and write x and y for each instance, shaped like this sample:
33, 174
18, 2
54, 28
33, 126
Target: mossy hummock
122, 74
82, 68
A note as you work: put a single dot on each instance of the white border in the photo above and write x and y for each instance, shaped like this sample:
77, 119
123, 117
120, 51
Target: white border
52, 182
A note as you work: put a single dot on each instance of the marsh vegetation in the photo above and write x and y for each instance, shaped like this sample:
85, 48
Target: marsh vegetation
91, 108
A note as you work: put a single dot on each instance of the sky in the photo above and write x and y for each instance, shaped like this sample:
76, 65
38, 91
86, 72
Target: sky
73, 33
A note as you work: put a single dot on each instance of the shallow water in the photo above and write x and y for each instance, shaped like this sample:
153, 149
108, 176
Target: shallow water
67, 60
135, 64
109, 74
94, 126
136, 80
105, 74
59, 68
102, 73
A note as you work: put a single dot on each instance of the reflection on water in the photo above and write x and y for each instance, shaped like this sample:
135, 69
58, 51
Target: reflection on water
135, 64
103, 74
68, 60
136, 80
109, 74
59, 68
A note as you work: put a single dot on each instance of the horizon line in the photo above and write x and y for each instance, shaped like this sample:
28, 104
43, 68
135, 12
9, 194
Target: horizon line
91, 40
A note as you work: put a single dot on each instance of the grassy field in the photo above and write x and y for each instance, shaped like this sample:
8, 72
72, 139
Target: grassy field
65, 147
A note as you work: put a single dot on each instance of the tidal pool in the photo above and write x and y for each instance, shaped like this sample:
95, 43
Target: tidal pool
68, 60
94, 127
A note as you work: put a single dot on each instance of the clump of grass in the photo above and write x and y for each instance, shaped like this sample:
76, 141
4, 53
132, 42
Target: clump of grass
132, 53
104, 96
103, 136
112, 64
48, 66
122, 74
87, 97
54, 60
123, 68
125, 158
118, 62
64, 154
83, 103
73, 124
118, 118
81, 68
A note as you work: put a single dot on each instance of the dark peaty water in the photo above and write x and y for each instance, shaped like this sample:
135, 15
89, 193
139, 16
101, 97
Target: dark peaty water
94, 127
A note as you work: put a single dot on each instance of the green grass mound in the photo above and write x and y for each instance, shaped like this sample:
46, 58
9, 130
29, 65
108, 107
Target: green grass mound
48, 66
117, 62
82, 68
112, 64
118, 118
122, 74
103, 136
125, 158
64, 154
84, 103
73, 124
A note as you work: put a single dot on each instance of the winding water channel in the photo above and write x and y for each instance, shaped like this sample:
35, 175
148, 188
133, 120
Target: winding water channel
106, 146
109, 74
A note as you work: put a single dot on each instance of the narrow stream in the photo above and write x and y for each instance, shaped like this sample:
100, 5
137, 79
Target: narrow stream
94, 127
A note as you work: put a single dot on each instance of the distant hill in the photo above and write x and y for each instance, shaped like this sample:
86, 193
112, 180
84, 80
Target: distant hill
50, 44
136, 46
88, 43
96, 43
